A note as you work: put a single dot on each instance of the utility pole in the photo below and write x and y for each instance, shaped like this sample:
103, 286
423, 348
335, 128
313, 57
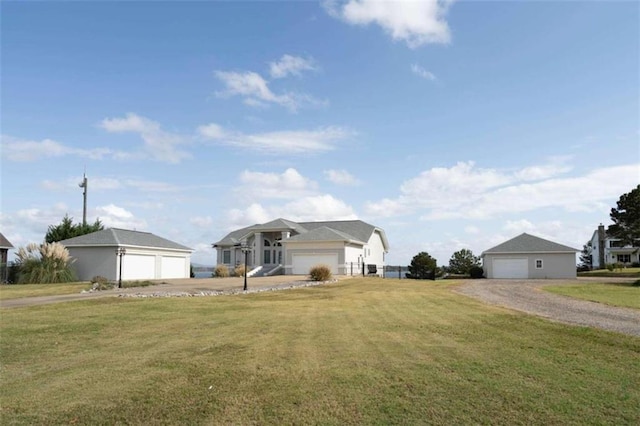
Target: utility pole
83, 185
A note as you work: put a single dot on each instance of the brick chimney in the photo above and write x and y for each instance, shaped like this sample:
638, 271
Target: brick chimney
601, 243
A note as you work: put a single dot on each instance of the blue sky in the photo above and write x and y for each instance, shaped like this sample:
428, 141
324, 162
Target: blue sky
449, 124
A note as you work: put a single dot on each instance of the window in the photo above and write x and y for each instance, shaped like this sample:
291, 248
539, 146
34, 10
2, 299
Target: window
624, 258
538, 263
226, 257
267, 243
616, 243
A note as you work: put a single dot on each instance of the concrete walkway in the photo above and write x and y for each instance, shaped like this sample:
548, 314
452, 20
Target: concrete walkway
527, 296
168, 287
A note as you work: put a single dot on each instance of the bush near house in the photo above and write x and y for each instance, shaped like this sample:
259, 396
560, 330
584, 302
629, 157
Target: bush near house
320, 273
476, 272
221, 271
239, 271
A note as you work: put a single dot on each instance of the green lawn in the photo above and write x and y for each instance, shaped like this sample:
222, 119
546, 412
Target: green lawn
617, 294
17, 291
617, 273
361, 351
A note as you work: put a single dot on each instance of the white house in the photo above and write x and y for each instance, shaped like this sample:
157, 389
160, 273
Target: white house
292, 248
606, 249
527, 256
145, 255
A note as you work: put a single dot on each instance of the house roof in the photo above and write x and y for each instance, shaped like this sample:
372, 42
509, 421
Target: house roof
525, 243
343, 230
4, 243
123, 237
323, 233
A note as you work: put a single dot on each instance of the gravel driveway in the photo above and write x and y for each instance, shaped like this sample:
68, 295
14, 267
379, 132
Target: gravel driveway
527, 296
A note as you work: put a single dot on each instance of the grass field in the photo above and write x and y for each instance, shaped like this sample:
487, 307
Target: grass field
17, 291
616, 294
617, 273
361, 351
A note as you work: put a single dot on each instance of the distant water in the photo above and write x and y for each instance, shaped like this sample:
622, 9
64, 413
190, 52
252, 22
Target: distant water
203, 274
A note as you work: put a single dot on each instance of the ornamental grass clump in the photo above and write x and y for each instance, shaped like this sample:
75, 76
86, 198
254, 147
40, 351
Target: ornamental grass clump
221, 271
239, 271
320, 273
44, 264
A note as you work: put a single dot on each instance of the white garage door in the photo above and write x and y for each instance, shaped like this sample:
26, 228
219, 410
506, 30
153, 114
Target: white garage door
302, 263
173, 267
510, 268
138, 267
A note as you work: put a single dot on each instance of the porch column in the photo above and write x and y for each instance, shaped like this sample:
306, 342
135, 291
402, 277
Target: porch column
259, 248
285, 235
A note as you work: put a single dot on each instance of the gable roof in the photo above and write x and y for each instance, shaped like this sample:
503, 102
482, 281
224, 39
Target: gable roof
323, 233
122, 237
525, 243
344, 230
4, 243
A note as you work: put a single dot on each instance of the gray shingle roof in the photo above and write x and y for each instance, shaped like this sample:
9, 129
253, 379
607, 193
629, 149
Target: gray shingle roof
345, 230
526, 243
122, 237
323, 233
4, 243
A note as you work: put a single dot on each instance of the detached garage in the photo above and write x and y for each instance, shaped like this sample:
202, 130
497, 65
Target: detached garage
145, 256
529, 257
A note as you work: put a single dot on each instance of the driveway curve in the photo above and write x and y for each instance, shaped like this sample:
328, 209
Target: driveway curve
527, 296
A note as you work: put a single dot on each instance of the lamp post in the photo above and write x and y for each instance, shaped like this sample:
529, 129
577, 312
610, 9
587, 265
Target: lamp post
120, 251
245, 249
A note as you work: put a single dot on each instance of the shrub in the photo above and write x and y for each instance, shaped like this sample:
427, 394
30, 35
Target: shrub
636, 283
101, 283
320, 273
44, 264
239, 271
221, 271
635, 265
610, 266
476, 272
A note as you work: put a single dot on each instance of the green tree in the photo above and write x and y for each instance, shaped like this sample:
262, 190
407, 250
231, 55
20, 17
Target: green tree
586, 262
626, 217
423, 266
67, 229
462, 261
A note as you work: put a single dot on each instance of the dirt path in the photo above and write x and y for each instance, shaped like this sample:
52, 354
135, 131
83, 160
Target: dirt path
166, 288
527, 296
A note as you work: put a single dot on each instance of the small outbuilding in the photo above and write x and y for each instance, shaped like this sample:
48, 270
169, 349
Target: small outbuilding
5, 245
529, 257
143, 255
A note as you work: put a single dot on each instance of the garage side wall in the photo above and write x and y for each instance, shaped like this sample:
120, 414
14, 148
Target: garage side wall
554, 266
94, 261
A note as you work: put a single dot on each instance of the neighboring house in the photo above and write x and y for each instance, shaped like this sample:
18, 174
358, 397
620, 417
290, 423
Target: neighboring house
146, 256
606, 249
5, 245
527, 256
292, 248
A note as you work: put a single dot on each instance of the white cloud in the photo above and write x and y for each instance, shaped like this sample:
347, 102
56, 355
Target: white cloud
464, 191
470, 229
113, 216
256, 92
158, 144
202, 221
287, 185
291, 65
281, 142
16, 149
306, 209
423, 73
341, 177
414, 22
